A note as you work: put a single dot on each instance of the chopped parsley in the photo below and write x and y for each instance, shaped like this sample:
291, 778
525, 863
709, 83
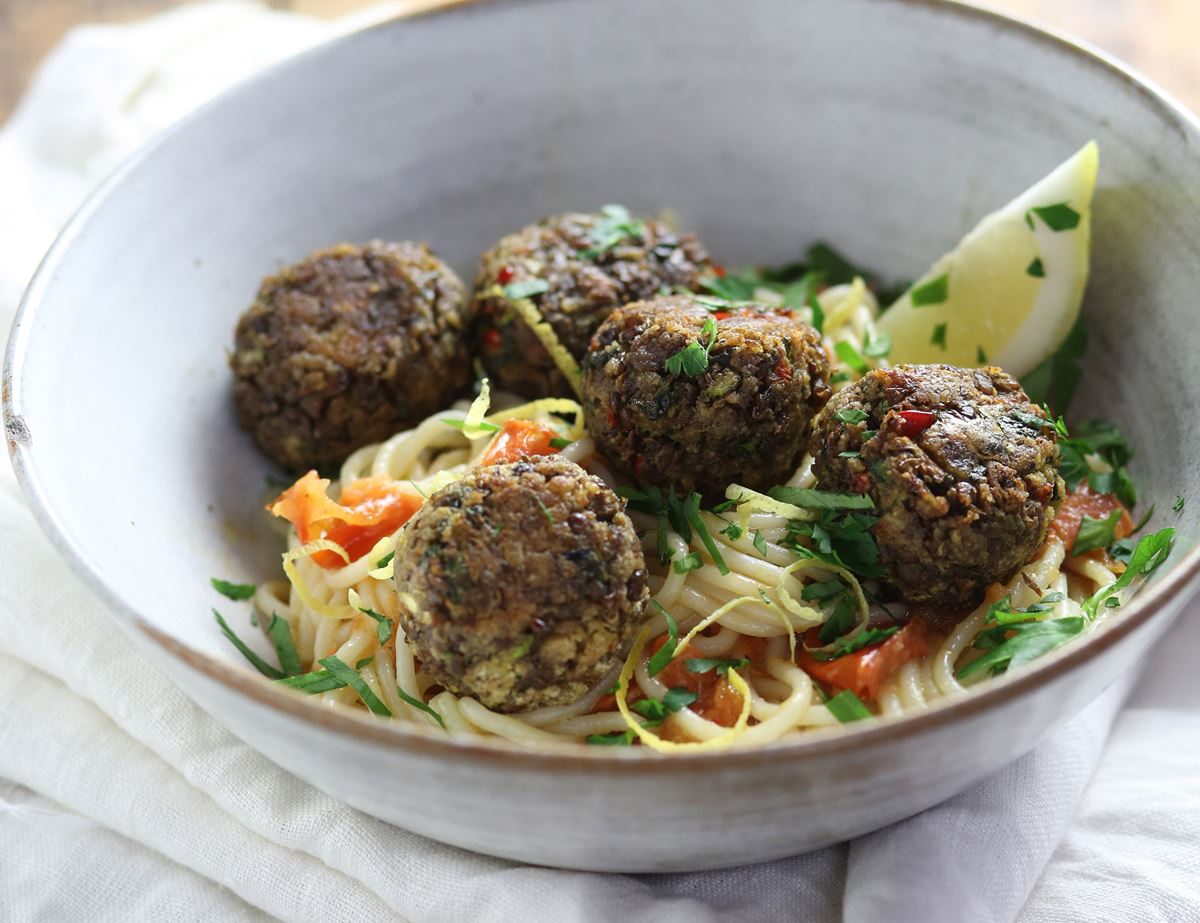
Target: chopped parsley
611, 740
527, 288
851, 357
614, 225
280, 633
980, 355
733, 531
1036, 269
385, 560
935, 291
545, 512
852, 415
681, 514
688, 562
1098, 437
812, 499
843, 645
1177, 506
418, 704
383, 625
655, 712
692, 360
661, 657
878, 345
1057, 217
482, 425
939, 336
234, 591
343, 671
1149, 553
1022, 642
760, 543
558, 442
847, 707
1096, 533
257, 662
313, 683
721, 664
841, 538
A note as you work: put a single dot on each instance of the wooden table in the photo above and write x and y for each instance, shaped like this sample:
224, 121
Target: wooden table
1158, 37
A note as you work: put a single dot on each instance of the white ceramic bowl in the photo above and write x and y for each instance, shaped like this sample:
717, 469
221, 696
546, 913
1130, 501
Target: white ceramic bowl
883, 126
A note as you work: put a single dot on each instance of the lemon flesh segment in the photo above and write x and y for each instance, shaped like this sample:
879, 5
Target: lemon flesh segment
1010, 292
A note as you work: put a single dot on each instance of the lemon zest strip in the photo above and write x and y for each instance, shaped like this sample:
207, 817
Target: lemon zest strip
301, 588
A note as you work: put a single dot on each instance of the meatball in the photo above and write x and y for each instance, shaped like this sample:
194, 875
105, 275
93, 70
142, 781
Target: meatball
346, 347
744, 417
962, 467
584, 286
521, 584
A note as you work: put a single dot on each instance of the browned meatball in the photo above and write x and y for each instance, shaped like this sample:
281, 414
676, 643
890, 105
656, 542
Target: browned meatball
522, 584
745, 417
590, 264
962, 469
346, 347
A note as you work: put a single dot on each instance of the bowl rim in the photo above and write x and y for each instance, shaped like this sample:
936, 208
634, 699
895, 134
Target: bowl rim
1175, 582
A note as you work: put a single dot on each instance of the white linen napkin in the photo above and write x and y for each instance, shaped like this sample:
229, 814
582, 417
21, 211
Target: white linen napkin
120, 799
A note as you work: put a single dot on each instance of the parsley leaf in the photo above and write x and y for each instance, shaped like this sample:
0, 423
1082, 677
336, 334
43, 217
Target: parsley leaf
733, 531
663, 655
692, 360
385, 560
255, 661
849, 645
1058, 217
1029, 641
1177, 506
851, 415
677, 698
939, 336
614, 225
558, 442
850, 356
878, 345
811, 499
688, 562
527, 288
1149, 553
1036, 269
234, 591
349, 675
760, 543
280, 634
1096, 533
935, 291
418, 704
721, 664
612, 740
847, 707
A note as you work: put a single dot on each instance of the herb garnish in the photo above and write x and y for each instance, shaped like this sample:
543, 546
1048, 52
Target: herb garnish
1098, 437
614, 225
1096, 533
255, 661
850, 356
1177, 506
847, 707
385, 560
721, 664
843, 645
527, 288
939, 336
417, 703
683, 516
692, 360
1058, 217
663, 655
733, 531
612, 740
811, 499
655, 712
851, 415
980, 355
935, 291
558, 442
1029, 640
1149, 553
280, 633
878, 345
841, 538
1036, 269
482, 425
343, 671
234, 591
688, 562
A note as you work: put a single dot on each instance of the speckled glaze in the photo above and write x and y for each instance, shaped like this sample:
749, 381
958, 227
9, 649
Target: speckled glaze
884, 126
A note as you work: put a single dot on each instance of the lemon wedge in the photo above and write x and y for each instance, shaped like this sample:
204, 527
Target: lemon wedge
1010, 292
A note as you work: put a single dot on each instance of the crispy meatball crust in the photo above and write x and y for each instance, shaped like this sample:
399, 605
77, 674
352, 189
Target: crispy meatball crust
745, 419
962, 467
583, 292
346, 347
522, 584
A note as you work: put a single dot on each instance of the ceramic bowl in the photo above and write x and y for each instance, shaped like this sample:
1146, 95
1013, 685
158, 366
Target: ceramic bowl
885, 127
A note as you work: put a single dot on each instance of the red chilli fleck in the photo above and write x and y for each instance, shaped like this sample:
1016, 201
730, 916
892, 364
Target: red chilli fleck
505, 275
915, 422
718, 271
492, 338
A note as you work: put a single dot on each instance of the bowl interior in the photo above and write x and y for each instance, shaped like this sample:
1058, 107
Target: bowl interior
884, 127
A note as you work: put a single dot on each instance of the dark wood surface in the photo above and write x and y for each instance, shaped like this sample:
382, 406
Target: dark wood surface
1159, 37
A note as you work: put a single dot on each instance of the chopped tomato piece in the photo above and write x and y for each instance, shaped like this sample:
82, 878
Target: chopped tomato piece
369, 509
717, 700
516, 439
505, 275
1083, 501
863, 672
